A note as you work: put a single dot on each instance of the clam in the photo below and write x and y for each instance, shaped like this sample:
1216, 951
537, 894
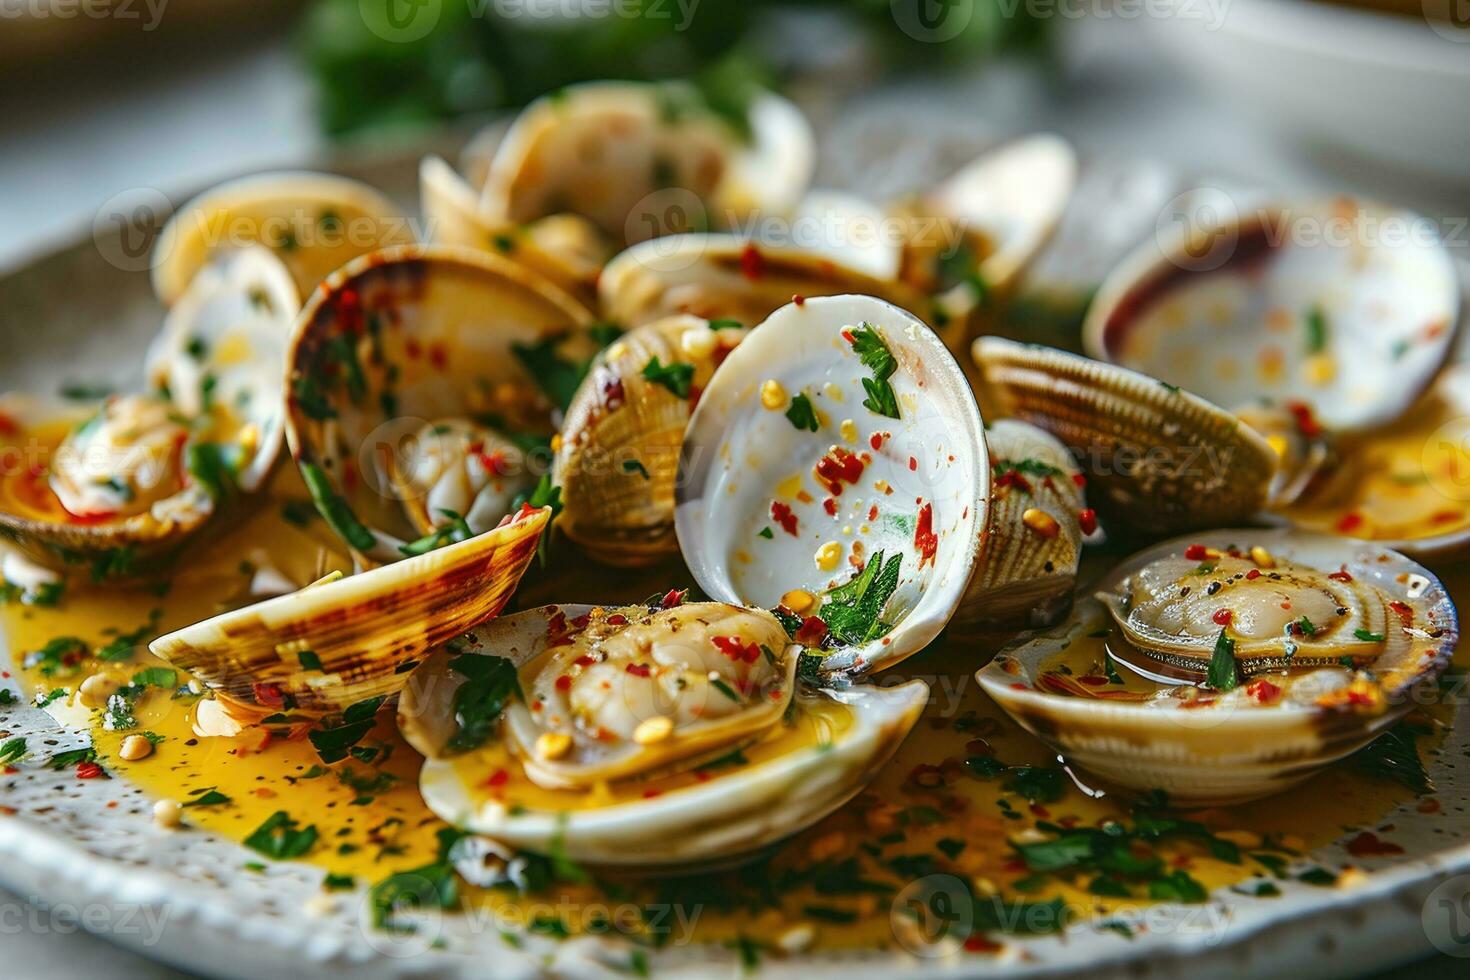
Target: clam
565, 248
645, 159
618, 449
1153, 453
971, 238
1231, 665
727, 277
342, 641
119, 487
424, 377
1350, 308
705, 749
313, 223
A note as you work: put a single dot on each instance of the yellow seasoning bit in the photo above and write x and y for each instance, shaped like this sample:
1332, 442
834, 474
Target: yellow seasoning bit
654, 729
1041, 522
249, 437
1279, 445
556, 443
553, 745
1262, 557
828, 555
698, 342
1319, 369
617, 350
773, 396
849, 431
832, 391
798, 600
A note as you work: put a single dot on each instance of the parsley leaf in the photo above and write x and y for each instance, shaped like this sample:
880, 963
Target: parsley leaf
281, 838
853, 611
801, 414
1222, 674
334, 509
458, 529
870, 348
559, 378
492, 682
676, 377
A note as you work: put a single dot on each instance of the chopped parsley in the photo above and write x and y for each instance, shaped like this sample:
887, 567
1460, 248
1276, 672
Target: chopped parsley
458, 529
334, 509
877, 358
635, 466
336, 736
558, 377
1316, 330
281, 838
676, 377
853, 612
491, 683
801, 414
1223, 674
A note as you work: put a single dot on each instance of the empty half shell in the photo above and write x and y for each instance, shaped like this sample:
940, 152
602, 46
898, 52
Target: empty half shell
1348, 307
334, 644
392, 364
618, 454
313, 222
728, 761
1157, 458
1183, 676
837, 457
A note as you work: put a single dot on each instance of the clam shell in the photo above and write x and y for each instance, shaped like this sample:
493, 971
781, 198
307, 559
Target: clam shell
406, 336
753, 515
1348, 306
313, 222
735, 812
1156, 457
566, 249
720, 276
366, 629
1235, 750
643, 159
619, 449
1032, 543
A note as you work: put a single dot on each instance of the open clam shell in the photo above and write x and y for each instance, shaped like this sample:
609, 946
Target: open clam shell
400, 341
1216, 743
618, 453
644, 159
1346, 306
331, 645
802, 768
118, 488
839, 431
313, 222
565, 248
1154, 455
726, 277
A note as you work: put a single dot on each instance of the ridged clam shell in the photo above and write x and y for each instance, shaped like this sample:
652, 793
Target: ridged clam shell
366, 630
432, 329
314, 222
737, 811
1157, 458
1229, 752
619, 451
1025, 574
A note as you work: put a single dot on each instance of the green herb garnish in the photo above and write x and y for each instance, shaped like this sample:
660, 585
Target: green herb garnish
801, 414
1223, 674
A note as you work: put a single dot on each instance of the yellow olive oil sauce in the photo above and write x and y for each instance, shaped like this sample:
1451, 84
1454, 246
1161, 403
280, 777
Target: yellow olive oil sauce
952, 801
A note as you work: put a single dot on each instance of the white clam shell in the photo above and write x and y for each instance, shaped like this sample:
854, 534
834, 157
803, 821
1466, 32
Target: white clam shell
1234, 750
727, 816
1225, 309
737, 456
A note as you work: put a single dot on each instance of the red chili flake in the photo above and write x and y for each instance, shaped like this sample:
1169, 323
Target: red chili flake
269, 695
836, 467
498, 778
88, 770
673, 597
1088, 519
413, 348
737, 649
439, 356
1262, 691
580, 622
811, 632
612, 392
913, 464
1341, 576
830, 506
1018, 686
1079, 479
876, 440
639, 670
873, 512
1196, 552
1403, 609
799, 299
585, 660
349, 310
977, 943
782, 515
556, 625
847, 335
1197, 703
1445, 517
1223, 617
1013, 478
564, 682
1306, 421
1368, 844
1350, 523
1092, 680
926, 542
695, 393
8, 426
617, 619
1253, 574
752, 263
1037, 810
649, 794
